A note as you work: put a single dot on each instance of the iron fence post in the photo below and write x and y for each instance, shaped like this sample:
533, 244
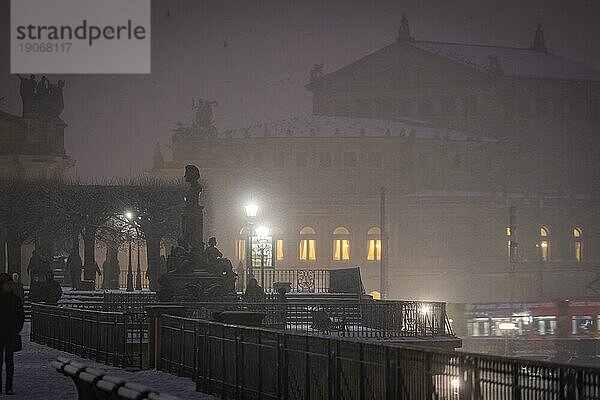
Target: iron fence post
155, 313
476, 379
283, 371
465, 379
332, 369
516, 388
428, 375
361, 372
390, 375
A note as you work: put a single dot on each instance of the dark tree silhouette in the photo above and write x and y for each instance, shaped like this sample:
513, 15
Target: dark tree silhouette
156, 205
27, 212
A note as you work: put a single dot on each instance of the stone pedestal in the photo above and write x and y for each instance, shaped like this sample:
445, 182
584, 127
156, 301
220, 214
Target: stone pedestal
192, 227
199, 285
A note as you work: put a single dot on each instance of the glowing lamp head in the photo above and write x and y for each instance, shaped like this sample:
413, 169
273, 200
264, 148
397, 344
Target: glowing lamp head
424, 309
251, 210
262, 232
128, 215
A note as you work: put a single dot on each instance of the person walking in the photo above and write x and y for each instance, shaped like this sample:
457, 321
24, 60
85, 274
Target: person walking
12, 318
74, 267
17, 287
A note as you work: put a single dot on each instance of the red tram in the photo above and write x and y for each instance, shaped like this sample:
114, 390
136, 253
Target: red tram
573, 318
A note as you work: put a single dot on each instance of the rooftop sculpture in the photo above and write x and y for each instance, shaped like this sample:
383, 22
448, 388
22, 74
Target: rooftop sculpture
41, 98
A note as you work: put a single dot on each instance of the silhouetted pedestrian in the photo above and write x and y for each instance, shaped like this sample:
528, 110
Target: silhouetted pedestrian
74, 266
12, 318
34, 266
17, 287
254, 292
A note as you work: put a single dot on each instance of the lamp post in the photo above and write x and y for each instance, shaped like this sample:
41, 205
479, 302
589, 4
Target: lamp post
129, 216
262, 233
506, 328
251, 211
138, 272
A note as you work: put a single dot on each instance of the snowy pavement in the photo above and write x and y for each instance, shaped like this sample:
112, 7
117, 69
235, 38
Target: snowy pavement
35, 379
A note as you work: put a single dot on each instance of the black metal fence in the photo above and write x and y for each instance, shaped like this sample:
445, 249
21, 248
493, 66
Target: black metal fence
114, 338
369, 319
123, 279
249, 363
301, 280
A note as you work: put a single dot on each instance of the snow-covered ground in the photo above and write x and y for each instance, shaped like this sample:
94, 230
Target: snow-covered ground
35, 379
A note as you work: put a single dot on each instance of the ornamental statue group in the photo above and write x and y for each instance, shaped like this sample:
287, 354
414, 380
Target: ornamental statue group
43, 98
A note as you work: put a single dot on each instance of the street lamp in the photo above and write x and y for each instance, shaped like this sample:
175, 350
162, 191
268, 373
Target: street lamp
129, 215
506, 328
138, 272
262, 233
251, 211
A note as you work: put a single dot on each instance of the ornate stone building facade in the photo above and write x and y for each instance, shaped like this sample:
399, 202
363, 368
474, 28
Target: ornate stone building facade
33, 144
486, 155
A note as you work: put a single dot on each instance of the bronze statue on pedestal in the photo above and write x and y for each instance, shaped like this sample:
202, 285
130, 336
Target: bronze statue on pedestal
194, 273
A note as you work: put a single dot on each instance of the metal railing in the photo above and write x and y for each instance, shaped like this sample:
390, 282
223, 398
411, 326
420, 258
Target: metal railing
241, 362
368, 319
123, 279
301, 280
114, 338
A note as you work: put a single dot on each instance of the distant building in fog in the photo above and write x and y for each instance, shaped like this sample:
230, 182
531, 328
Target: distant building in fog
489, 157
33, 144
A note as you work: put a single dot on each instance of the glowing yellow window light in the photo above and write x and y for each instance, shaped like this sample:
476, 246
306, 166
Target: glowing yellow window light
279, 252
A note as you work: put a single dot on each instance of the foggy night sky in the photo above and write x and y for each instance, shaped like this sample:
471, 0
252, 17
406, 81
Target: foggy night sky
114, 121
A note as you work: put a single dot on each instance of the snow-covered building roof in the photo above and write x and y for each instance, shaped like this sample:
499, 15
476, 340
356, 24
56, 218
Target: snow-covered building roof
512, 60
334, 126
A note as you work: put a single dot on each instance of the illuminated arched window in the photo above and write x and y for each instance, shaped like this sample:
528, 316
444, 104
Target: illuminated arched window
307, 245
341, 231
341, 244
509, 244
307, 230
374, 244
544, 244
241, 249
577, 244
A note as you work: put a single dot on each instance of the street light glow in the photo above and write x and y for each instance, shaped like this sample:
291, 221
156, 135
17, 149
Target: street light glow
251, 209
129, 215
262, 232
455, 382
424, 310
